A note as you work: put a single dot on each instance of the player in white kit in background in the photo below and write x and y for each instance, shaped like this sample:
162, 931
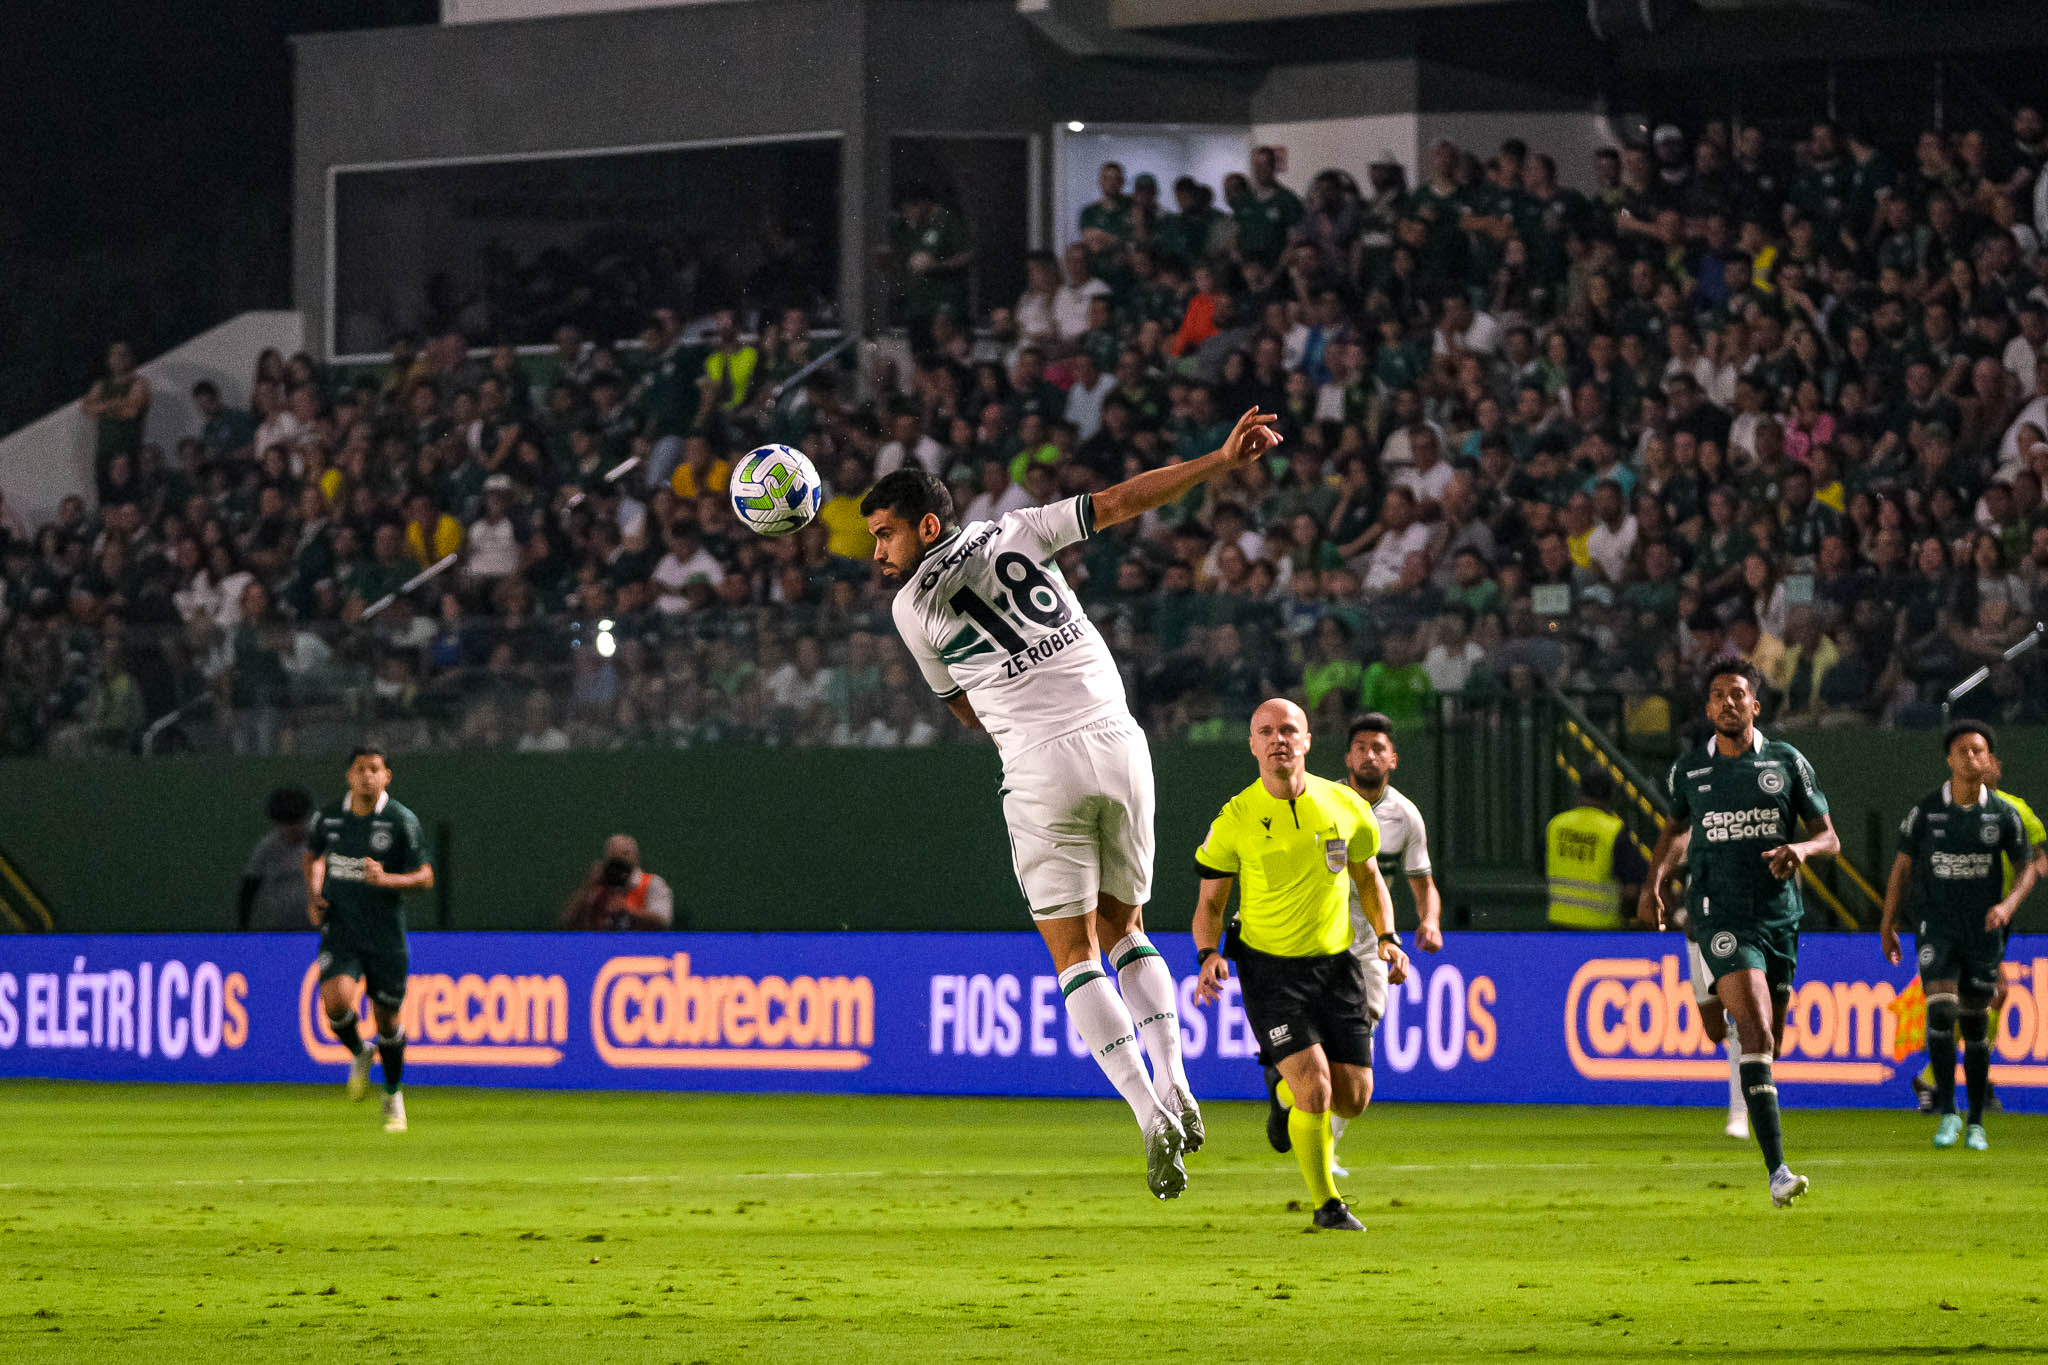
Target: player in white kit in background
1369, 763
1003, 641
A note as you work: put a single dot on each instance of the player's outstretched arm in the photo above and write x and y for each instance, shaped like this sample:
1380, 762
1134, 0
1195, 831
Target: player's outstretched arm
1894, 902
1378, 905
1429, 913
2001, 914
1786, 859
316, 882
1210, 903
1252, 437
1672, 843
420, 878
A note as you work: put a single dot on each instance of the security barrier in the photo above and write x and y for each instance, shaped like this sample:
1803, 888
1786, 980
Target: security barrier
1538, 1018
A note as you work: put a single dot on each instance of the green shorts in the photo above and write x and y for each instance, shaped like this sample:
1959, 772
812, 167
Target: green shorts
1734, 945
382, 966
1968, 955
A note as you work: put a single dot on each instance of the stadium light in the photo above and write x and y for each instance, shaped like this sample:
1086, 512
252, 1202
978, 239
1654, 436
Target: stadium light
1076, 126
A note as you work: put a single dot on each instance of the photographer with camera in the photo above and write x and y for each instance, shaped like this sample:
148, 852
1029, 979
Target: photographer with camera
620, 894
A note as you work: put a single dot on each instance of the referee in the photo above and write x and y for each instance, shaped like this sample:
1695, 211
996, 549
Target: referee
1293, 838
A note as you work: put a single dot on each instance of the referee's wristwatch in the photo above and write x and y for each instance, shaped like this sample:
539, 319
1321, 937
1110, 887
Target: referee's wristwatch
1202, 956
1394, 939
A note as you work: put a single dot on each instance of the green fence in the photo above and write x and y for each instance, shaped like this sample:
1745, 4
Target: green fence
815, 839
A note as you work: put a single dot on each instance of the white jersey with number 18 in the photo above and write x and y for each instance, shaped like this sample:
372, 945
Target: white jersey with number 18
987, 613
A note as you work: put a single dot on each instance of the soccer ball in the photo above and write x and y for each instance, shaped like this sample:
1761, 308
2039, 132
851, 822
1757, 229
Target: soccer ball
776, 490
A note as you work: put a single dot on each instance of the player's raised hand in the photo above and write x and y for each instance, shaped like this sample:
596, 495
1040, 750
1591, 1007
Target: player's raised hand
1209, 985
1650, 906
1888, 939
1252, 437
374, 873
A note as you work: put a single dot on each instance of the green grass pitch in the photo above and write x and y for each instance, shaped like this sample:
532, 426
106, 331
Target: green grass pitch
250, 1224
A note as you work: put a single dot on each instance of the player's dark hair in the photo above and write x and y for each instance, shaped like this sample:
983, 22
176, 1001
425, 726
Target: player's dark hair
1371, 723
1969, 727
365, 751
1736, 668
288, 806
911, 494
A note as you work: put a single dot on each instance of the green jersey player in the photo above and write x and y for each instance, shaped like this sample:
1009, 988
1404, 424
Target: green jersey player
1952, 850
361, 853
1734, 807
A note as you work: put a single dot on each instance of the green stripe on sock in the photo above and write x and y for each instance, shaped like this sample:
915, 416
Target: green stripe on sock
1067, 988
1147, 950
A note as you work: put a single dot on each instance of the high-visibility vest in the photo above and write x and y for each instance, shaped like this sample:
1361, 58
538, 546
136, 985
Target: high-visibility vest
1579, 863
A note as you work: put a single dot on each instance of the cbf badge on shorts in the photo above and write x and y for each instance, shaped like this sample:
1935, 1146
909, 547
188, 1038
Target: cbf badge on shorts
1335, 854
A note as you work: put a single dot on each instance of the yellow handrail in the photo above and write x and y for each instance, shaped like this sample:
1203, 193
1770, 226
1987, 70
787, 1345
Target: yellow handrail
28, 898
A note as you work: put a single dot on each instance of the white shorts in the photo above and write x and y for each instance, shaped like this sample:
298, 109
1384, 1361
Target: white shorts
1079, 810
1367, 951
1702, 975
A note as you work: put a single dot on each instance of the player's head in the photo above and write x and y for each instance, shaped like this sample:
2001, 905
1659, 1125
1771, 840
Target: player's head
1280, 738
289, 806
1735, 696
368, 774
906, 512
1370, 757
1971, 747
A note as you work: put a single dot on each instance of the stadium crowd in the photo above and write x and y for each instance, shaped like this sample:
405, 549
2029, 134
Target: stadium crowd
1785, 401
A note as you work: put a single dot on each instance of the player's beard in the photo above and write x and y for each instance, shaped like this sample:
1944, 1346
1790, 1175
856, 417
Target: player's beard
1368, 779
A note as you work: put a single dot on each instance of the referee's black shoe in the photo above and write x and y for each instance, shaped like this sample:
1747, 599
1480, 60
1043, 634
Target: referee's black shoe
1335, 1216
1276, 1113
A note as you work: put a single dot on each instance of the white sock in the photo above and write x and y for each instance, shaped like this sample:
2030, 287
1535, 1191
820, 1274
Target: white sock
1147, 985
1338, 1123
1105, 1025
1736, 1104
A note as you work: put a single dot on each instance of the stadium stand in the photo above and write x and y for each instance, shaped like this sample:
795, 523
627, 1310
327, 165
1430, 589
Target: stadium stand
1786, 401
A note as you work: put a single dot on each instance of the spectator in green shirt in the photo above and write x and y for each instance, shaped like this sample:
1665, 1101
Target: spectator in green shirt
1268, 212
1397, 686
933, 249
1106, 223
1185, 236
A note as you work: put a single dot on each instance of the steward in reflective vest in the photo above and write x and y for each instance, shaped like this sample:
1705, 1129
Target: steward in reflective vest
1593, 867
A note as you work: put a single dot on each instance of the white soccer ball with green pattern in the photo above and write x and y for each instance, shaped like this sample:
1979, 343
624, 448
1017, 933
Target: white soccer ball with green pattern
776, 490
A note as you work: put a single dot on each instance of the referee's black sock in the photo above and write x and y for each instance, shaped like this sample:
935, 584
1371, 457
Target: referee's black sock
345, 1029
392, 1050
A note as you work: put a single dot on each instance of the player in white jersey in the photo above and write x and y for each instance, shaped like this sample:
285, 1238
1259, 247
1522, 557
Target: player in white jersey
1001, 638
1369, 763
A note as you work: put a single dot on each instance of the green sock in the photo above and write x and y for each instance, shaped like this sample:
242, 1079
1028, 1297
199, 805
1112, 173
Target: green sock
349, 1036
1311, 1134
1761, 1094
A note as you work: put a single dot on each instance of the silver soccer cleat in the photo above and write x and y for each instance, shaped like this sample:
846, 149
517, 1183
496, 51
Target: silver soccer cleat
1164, 1143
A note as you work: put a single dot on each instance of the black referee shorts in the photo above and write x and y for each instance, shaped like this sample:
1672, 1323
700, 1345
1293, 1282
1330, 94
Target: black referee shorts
1296, 1003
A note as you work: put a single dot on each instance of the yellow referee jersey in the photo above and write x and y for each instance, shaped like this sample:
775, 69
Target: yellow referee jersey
1291, 861
2031, 823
